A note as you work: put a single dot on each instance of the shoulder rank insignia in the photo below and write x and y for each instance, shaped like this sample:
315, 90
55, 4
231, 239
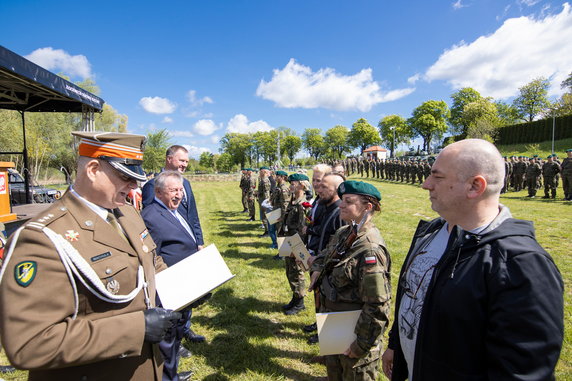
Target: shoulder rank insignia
72, 235
25, 272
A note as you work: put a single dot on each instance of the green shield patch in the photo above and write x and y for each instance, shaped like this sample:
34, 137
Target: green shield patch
25, 272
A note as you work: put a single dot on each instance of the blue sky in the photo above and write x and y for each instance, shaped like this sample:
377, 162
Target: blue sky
204, 68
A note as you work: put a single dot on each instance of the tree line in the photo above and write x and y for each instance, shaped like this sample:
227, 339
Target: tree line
470, 115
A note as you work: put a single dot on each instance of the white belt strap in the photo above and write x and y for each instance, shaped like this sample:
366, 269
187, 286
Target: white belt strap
74, 263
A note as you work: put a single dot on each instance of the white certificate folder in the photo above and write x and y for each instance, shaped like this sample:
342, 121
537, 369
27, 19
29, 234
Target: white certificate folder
336, 331
195, 276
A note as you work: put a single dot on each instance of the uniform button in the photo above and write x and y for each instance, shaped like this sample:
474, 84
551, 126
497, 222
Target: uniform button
63, 208
467, 236
108, 271
145, 248
88, 223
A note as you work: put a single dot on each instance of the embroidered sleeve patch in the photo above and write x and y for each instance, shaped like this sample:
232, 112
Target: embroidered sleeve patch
370, 260
25, 272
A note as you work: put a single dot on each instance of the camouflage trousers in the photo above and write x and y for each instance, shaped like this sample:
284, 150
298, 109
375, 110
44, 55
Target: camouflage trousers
343, 368
550, 186
251, 208
244, 199
296, 277
567, 185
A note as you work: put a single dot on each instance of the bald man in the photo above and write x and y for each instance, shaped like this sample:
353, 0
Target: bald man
478, 298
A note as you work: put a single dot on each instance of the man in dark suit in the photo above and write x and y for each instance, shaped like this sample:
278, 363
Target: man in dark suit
175, 241
177, 159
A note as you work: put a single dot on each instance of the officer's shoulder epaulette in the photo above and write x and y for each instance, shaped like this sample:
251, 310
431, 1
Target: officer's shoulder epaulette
50, 215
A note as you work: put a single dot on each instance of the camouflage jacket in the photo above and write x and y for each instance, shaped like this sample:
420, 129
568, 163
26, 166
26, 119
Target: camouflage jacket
533, 171
244, 183
295, 218
263, 189
280, 198
251, 187
566, 166
360, 280
550, 169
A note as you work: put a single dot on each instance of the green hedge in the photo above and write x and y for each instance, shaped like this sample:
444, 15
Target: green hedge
535, 132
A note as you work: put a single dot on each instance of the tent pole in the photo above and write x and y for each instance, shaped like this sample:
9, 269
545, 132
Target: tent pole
26, 167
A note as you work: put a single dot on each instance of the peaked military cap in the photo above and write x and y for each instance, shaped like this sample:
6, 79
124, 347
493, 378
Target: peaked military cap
298, 177
358, 187
281, 173
123, 151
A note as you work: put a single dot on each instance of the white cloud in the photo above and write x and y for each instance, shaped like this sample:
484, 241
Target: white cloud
297, 86
215, 139
521, 50
458, 5
413, 79
239, 123
528, 3
197, 102
167, 120
157, 105
60, 60
205, 127
195, 152
183, 134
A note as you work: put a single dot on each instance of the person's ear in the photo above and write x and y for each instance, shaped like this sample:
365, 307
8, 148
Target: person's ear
92, 168
478, 186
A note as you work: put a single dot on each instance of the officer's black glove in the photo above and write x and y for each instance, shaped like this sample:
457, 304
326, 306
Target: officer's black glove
157, 322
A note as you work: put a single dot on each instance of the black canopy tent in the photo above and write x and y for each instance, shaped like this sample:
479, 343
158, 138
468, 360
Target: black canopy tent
25, 86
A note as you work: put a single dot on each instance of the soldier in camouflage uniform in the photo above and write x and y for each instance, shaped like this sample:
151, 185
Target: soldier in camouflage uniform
250, 194
263, 193
352, 273
244, 183
550, 170
294, 222
507, 174
280, 199
533, 172
566, 168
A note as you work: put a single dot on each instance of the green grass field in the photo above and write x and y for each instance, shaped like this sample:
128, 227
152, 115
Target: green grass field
249, 338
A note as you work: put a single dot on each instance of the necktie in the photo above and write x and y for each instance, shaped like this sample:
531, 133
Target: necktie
113, 222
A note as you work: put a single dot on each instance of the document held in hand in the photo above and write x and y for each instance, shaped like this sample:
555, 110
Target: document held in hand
295, 245
273, 216
336, 331
188, 280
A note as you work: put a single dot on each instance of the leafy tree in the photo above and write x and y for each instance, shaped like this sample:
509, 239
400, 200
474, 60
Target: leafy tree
291, 145
336, 139
532, 100
429, 121
460, 99
507, 114
224, 162
206, 160
238, 146
363, 135
483, 119
155, 148
394, 130
567, 83
564, 105
313, 142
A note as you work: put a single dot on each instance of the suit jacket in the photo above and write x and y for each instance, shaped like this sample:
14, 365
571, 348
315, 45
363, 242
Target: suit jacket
173, 241
106, 340
188, 211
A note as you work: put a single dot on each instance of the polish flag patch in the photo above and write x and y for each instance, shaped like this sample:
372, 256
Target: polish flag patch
370, 260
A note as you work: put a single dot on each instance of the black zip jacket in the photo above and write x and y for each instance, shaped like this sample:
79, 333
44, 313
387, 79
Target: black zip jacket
493, 309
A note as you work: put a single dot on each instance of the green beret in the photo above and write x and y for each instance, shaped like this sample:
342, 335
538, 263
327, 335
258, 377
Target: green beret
281, 173
298, 177
261, 168
250, 169
358, 187
569, 150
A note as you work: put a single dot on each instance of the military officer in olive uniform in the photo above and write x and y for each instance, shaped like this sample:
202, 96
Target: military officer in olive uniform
250, 194
550, 170
533, 172
294, 222
244, 184
280, 198
566, 168
263, 193
352, 273
77, 292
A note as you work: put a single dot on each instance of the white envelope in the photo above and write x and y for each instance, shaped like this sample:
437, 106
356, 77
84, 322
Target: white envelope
188, 280
273, 216
336, 331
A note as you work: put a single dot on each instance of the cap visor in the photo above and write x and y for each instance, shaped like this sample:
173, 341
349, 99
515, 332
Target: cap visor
134, 171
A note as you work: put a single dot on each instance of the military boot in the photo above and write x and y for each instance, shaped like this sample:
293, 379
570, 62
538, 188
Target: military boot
290, 303
297, 306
